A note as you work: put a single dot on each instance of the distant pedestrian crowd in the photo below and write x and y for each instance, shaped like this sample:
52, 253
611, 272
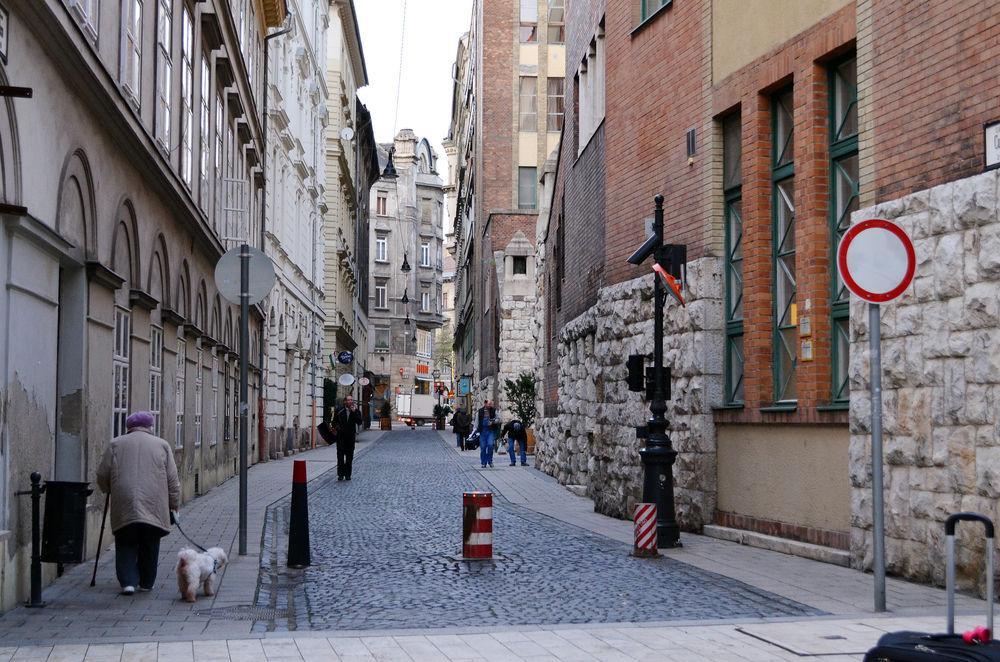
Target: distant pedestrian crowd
485, 432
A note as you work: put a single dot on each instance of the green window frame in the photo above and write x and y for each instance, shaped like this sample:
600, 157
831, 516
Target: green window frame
843, 113
784, 313
649, 7
732, 180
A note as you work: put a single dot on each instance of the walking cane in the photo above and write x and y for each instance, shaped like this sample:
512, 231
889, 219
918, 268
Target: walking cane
100, 539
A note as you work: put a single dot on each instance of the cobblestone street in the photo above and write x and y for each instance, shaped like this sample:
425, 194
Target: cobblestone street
385, 546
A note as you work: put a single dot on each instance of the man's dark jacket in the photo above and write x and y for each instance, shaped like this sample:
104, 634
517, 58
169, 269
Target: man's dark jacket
491, 413
346, 422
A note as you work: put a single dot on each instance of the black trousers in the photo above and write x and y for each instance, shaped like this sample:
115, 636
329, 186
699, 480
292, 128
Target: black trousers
345, 457
137, 552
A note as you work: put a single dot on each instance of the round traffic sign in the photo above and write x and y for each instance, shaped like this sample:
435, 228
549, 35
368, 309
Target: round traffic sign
345, 357
227, 275
435, 374
345, 379
876, 260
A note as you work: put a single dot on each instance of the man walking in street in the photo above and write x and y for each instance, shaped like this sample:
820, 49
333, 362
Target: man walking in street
138, 471
514, 431
460, 423
488, 426
346, 421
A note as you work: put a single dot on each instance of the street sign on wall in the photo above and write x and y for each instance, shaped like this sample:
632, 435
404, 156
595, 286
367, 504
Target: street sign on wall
876, 260
345, 357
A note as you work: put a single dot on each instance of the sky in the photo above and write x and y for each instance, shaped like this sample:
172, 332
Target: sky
430, 42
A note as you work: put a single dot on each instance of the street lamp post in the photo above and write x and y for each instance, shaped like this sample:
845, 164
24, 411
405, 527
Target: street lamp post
658, 456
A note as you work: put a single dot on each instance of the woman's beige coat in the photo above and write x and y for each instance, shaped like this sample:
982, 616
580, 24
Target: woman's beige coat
138, 470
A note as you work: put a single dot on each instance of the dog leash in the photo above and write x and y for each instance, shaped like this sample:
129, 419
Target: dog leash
178, 525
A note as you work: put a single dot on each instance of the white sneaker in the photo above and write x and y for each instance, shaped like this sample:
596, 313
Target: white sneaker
128, 590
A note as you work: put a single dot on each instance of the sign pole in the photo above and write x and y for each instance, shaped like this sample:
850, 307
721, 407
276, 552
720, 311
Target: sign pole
878, 508
244, 370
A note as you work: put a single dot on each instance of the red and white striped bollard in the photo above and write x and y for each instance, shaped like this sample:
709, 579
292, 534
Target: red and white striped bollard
645, 530
477, 525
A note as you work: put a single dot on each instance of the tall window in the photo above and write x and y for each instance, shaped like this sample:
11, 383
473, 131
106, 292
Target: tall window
589, 91
843, 201
203, 137
381, 248
785, 314
198, 399
234, 411
227, 394
382, 338
425, 254
164, 67
218, 162
732, 180
213, 436
526, 188
131, 53
557, 21
650, 7
426, 210
380, 294
121, 361
529, 21
528, 104
381, 203
556, 104
187, 94
156, 378
179, 394
425, 301
86, 13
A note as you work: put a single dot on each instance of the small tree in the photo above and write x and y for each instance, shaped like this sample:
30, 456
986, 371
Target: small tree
386, 410
521, 394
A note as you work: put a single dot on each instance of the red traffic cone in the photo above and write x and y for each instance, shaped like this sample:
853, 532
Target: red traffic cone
298, 521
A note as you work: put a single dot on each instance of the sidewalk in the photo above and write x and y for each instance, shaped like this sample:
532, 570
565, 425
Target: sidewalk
75, 612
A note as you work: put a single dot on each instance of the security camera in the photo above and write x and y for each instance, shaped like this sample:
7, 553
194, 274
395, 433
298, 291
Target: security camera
644, 251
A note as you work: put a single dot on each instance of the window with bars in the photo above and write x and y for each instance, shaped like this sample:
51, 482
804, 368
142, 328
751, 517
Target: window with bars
529, 21
732, 181
179, 394
156, 378
785, 313
121, 361
555, 108
204, 136
557, 21
187, 94
131, 49
528, 104
164, 69
198, 398
213, 437
843, 201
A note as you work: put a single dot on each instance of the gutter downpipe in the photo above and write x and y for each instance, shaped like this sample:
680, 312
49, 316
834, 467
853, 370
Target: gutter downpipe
263, 446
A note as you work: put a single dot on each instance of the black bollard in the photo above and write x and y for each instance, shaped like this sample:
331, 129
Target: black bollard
36, 534
298, 523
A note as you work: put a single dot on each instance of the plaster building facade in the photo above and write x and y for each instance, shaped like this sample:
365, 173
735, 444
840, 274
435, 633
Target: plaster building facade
296, 204
507, 114
126, 175
351, 169
407, 250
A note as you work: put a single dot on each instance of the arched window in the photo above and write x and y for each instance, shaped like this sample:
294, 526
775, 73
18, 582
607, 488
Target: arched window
122, 262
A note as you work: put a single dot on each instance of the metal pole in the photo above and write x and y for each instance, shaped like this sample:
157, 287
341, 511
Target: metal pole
878, 509
244, 366
658, 457
36, 545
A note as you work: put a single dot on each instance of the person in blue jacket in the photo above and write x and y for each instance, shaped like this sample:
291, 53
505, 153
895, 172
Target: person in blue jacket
488, 426
515, 431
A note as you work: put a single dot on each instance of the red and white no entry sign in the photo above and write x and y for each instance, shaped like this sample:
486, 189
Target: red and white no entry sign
876, 260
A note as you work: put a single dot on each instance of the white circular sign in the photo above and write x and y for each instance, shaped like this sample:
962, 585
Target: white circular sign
227, 275
346, 379
364, 381
876, 260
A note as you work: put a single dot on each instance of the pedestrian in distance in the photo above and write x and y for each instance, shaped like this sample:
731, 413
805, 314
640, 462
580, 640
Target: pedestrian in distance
137, 470
515, 431
488, 427
346, 420
461, 425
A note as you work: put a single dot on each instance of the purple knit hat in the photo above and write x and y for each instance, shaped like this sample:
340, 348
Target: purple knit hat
139, 419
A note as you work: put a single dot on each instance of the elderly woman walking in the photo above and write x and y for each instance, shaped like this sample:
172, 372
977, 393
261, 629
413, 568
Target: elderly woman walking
139, 473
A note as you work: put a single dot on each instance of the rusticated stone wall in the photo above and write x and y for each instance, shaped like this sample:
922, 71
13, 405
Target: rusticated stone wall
941, 383
591, 441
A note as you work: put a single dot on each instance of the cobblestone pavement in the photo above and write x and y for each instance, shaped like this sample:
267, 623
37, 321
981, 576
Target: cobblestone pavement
384, 550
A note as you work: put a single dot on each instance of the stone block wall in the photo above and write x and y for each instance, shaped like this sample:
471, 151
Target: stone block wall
518, 339
941, 383
592, 442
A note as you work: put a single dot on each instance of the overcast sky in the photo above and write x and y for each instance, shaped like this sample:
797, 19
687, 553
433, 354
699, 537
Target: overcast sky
433, 28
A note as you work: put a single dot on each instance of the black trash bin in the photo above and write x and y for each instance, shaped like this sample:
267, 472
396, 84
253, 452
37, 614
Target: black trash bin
65, 526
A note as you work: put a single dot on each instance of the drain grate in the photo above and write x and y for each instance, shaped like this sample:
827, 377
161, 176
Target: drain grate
245, 613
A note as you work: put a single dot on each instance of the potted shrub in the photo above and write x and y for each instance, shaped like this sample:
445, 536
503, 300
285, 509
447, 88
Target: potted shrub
441, 413
521, 395
385, 416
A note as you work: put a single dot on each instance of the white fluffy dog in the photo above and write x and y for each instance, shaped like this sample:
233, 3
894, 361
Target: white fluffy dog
196, 569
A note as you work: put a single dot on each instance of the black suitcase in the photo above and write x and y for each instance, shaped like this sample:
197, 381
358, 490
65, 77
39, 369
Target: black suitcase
920, 646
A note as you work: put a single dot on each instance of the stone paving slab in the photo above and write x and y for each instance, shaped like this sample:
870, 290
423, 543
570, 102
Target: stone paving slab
77, 613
